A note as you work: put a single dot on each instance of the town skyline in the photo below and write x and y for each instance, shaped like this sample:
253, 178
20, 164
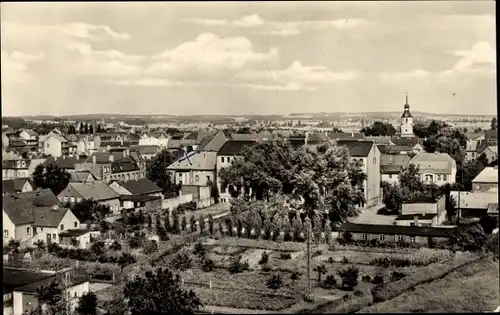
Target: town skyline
242, 58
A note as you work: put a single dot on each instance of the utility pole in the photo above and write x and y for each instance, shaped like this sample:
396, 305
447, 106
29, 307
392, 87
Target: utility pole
308, 228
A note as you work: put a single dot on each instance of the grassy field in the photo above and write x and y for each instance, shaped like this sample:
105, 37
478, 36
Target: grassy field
474, 288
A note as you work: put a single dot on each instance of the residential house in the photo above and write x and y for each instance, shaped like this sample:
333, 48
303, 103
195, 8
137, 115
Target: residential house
487, 179
14, 169
33, 163
111, 166
138, 187
29, 136
391, 165
368, 154
66, 163
226, 155
405, 145
148, 152
473, 146
78, 238
81, 177
174, 143
438, 168
213, 143
341, 136
423, 211
10, 155
425, 235
194, 169
55, 145
192, 140
72, 144
15, 186
491, 136
154, 139
490, 151
95, 190
86, 145
380, 140
21, 288
36, 215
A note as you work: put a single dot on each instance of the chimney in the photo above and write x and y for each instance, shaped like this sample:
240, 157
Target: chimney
108, 147
352, 134
306, 137
390, 159
54, 208
111, 158
415, 220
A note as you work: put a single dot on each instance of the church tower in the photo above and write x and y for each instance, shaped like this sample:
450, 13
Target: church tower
407, 121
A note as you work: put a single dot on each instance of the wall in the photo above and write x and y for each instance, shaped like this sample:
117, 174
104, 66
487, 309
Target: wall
12, 173
222, 162
372, 167
24, 302
417, 208
171, 203
194, 177
119, 189
75, 292
9, 227
390, 178
22, 234
420, 222
114, 205
390, 238
52, 146
123, 176
483, 187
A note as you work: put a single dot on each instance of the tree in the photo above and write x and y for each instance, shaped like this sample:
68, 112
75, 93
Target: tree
150, 247
337, 130
156, 171
202, 223
264, 259
51, 177
192, 223
488, 223
81, 129
493, 123
159, 293
471, 239
183, 223
166, 223
87, 304
176, 229
90, 211
321, 270
52, 297
211, 224
199, 250
349, 277
86, 128
125, 259
116, 246
275, 282
181, 261
208, 265
150, 221
379, 129
91, 129
448, 140
295, 276
330, 281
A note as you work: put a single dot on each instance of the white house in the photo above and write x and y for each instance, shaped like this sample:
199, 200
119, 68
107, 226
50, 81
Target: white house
154, 139
391, 165
194, 169
86, 145
438, 168
53, 145
487, 179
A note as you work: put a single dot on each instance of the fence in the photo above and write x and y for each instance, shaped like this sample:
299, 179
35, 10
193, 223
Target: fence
171, 203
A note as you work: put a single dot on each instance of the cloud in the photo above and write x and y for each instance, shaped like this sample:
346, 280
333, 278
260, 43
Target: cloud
15, 66
295, 77
210, 54
282, 28
481, 52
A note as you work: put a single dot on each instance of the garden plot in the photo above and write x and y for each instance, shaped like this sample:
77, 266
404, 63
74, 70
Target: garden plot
228, 251
253, 257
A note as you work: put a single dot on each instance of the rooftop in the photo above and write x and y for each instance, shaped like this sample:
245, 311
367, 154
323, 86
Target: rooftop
487, 175
396, 230
233, 147
142, 186
95, 190
74, 232
357, 148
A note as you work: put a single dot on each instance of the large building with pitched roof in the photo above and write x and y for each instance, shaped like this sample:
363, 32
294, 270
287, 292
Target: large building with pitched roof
437, 168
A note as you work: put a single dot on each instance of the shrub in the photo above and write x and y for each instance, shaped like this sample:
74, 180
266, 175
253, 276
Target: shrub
285, 256
346, 297
237, 266
321, 270
366, 278
135, 242
317, 253
181, 262
345, 260
199, 250
150, 247
349, 277
330, 281
266, 268
208, 265
396, 275
295, 276
358, 293
330, 260
116, 246
275, 282
264, 259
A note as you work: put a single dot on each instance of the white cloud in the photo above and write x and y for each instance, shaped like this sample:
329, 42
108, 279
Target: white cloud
209, 53
15, 66
481, 52
282, 28
296, 77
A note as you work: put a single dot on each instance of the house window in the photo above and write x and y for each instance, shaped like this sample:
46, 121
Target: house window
365, 237
400, 238
75, 224
222, 159
47, 145
412, 239
228, 159
28, 230
208, 178
5, 233
439, 177
390, 175
62, 227
72, 199
412, 224
197, 178
66, 199
374, 160
445, 177
381, 237
79, 199
54, 236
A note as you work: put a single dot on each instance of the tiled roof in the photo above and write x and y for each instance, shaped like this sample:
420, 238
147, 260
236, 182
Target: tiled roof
397, 230
74, 232
195, 161
475, 200
491, 134
91, 190
233, 147
141, 186
15, 278
80, 176
394, 159
215, 143
390, 169
487, 175
22, 208
141, 198
124, 165
438, 163
381, 148
403, 141
420, 216
48, 216
30, 132
146, 149
65, 162
35, 286
398, 148
204, 143
14, 185
357, 148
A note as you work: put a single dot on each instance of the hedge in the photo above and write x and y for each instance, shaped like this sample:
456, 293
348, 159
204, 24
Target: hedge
390, 290
261, 244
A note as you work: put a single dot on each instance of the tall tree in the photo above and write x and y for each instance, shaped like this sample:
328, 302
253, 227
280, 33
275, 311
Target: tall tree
91, 129
156, 171
87, 304
51, 177
52, 297
493, 123
86, 128
159, 293
379, 129
81, 129
90, 211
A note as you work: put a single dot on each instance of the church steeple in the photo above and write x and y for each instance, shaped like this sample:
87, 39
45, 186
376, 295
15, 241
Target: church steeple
407, 120
406, 112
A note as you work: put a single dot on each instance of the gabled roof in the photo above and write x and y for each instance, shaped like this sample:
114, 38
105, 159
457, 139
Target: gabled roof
195, 160
390, 169
439, 163
15, 185
397, 230
81, 176
141, 186
15, 278
398, 148
406, 141
65, 162
487, 175
57, 137
30, 132
401, 160
21, 208
74, 232
233, 147
95, 190
48, 216
382, 148
146, 149
357, 148
491, 134
124, 165
215, 143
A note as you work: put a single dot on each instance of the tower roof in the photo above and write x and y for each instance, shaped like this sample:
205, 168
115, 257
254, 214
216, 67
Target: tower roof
406, 112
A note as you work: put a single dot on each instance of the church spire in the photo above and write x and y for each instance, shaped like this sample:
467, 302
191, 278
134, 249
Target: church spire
406, 99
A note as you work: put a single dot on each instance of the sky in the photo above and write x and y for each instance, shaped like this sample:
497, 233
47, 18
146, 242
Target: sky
247, 58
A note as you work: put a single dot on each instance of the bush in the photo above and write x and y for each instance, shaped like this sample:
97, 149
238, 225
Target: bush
150, 247
116, 246
330, 260
366, 278
330, 282
358, 293
345, 260
285, 256
237, 266
264, 259
266, 268
181, 262
135, 242
199, 250
317, 253
275, 282
349, 277
396, 275
208, 265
